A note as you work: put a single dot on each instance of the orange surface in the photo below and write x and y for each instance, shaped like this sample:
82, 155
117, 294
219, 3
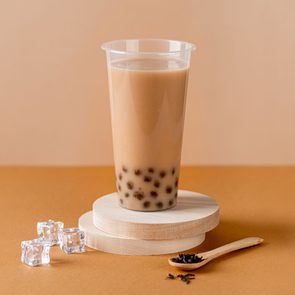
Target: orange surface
254, 201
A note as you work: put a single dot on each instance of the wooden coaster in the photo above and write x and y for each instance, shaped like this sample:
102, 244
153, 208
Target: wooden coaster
102, 241
194, 214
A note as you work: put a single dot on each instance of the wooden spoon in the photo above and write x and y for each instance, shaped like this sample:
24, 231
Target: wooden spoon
210, 255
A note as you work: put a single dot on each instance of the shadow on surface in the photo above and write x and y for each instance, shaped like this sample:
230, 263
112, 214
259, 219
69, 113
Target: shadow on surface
192, 203
56, 262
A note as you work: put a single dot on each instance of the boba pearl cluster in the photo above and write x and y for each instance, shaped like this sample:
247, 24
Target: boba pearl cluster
154, 189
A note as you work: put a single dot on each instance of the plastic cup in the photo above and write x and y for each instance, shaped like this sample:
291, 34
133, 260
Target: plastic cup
147, 85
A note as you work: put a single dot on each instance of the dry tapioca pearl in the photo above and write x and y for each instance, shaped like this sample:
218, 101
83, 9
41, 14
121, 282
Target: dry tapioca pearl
162, 174
151, 170
130, 185
147, 179
146, 204
124, 169
138, 195
137, 172
173, 171
120, 176
171, 202
154, 194
157, 183
126, 195
159, 205
168, 189
119, 187
176, 182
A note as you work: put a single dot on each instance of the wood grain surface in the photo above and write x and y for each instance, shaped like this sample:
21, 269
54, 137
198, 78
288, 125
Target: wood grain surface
105, 242
254, 201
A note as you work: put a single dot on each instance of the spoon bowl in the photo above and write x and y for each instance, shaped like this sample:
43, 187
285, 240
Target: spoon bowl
188, 266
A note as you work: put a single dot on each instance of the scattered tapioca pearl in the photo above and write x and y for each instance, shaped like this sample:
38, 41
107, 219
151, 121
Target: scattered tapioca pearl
162, 174
119, 187
168, 189
121, 201
137, 172
124, 169
120, 176
154, 194
157, 183
171, 202
130, 185
173, 171
138, 195
147, 179
146, 204
126, 195
176, 182
159, 205
151, 170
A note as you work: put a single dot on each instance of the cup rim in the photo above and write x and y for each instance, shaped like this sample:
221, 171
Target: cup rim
107, 46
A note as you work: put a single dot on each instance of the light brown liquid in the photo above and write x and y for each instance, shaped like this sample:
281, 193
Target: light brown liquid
147, 107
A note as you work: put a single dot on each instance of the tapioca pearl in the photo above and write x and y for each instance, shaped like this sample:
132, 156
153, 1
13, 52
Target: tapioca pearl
175, 195
126, 195
121, 201
138, 195
168, 189
151, 170
146, 204
153, 194
120, 176
162, 174
124, 169
176, 182
130, 185
171, 202
119, 187
159, 205
137, 172
173, 171
157, 184
147, 179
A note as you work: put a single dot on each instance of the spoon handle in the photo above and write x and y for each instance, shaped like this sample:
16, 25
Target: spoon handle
240, 244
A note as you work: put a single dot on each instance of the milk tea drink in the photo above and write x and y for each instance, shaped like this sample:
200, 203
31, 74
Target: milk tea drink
147, 98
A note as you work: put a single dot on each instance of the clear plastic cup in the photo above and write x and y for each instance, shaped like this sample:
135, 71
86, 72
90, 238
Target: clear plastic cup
147, 84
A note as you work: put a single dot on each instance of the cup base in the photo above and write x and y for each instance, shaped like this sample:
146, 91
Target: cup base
147, 210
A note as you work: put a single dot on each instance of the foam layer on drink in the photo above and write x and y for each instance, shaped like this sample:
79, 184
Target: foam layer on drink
147, 107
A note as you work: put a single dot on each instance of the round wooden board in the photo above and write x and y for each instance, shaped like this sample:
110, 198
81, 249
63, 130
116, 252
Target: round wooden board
102, 241
193, 215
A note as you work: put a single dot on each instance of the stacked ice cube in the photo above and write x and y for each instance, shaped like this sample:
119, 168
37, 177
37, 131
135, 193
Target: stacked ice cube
36, 252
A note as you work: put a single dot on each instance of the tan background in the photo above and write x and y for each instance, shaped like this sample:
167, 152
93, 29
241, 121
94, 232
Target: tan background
53, 87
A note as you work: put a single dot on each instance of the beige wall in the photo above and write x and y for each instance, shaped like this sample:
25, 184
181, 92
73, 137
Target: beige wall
53, 88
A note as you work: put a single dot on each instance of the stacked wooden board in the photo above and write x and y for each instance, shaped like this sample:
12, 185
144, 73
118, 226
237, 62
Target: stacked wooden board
111, 228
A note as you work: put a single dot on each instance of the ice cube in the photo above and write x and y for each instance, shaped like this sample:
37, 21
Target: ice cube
48, 230
35, 252
72, 240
